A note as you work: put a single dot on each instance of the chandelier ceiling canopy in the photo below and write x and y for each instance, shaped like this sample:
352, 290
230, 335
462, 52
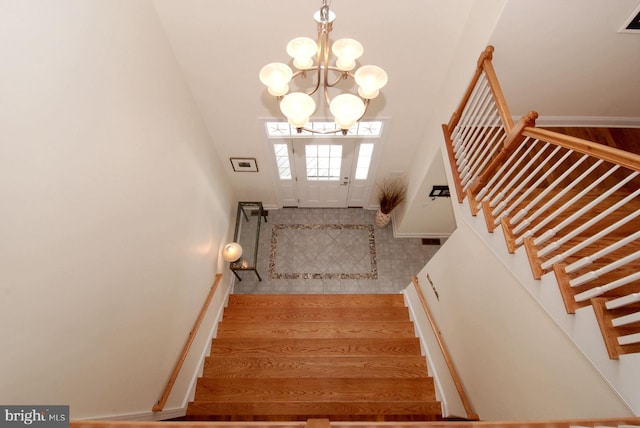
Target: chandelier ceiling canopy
347, 109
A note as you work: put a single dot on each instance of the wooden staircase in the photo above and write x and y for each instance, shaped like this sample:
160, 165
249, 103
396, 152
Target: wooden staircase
297, 357
570, 203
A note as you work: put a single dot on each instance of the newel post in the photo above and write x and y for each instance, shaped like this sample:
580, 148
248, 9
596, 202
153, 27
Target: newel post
511, 142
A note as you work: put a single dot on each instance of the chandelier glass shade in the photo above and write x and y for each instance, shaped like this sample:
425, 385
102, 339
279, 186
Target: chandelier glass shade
298, 107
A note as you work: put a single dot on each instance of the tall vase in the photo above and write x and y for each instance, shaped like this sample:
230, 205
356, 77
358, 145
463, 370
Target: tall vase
382, 219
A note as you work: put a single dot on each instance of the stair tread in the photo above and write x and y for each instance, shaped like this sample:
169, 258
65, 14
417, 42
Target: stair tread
316, 300
315, 390
312, 366
309, 314
317, 347
316, 329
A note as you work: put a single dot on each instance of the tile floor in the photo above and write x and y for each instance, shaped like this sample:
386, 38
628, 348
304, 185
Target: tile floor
303, 259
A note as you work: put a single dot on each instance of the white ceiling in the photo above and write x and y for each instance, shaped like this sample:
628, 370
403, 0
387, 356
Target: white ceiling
544, 49
567, 58
221, 46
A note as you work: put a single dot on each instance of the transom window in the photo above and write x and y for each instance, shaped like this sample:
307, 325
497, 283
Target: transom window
360, 129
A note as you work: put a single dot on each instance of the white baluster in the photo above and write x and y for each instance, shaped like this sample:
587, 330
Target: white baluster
469, 108
592, 239
626, 319
467, 137
532, 187
462, 162
495, 147
590, 276
523, 170
543, 195
552, 231
629, 339
469, 159
487, 189
575, 232
623, 301
512, 163
553, 200
477, 137
481, 159
598, 291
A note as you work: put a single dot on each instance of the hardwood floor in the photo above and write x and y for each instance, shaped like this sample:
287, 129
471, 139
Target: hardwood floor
627, 139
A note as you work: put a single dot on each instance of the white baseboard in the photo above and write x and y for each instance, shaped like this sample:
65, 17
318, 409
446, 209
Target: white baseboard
586, 121
144, 416
397, 234
205, 352
427, 352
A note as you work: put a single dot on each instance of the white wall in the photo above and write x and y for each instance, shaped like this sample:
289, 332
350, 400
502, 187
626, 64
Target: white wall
566, 59
514, 361
429, 217
415, 217
114, 206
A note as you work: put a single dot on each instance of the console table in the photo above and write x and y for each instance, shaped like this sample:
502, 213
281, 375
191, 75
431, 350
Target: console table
247, 234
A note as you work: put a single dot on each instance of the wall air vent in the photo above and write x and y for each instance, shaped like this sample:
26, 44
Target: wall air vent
632, 24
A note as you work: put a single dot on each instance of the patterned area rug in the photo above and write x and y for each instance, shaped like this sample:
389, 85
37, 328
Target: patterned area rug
323, 251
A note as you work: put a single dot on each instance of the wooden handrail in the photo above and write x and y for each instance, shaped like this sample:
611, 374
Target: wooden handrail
562, 423
566, 423
485, 56
601, 151
484, 64
183, 355
471, 415
498, 96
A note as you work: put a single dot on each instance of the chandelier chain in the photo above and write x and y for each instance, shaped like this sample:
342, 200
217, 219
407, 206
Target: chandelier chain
324, 12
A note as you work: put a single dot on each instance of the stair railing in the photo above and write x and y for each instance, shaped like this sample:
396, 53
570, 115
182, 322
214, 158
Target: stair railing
185, 350
571, 203
464, 398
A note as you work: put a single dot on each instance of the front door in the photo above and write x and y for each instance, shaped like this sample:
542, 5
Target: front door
323, 171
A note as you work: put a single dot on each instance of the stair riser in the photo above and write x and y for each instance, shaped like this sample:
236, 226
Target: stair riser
317, 347
314, 390
311, 367
332, 408
317, 330
330, 301
315, 314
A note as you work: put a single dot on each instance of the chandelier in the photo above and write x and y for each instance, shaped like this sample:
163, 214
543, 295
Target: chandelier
346, 109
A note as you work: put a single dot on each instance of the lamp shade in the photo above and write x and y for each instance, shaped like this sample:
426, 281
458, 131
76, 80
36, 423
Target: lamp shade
302, 50
370, 78
347, 51
232, 252
298, 107
346, 109
276, 76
